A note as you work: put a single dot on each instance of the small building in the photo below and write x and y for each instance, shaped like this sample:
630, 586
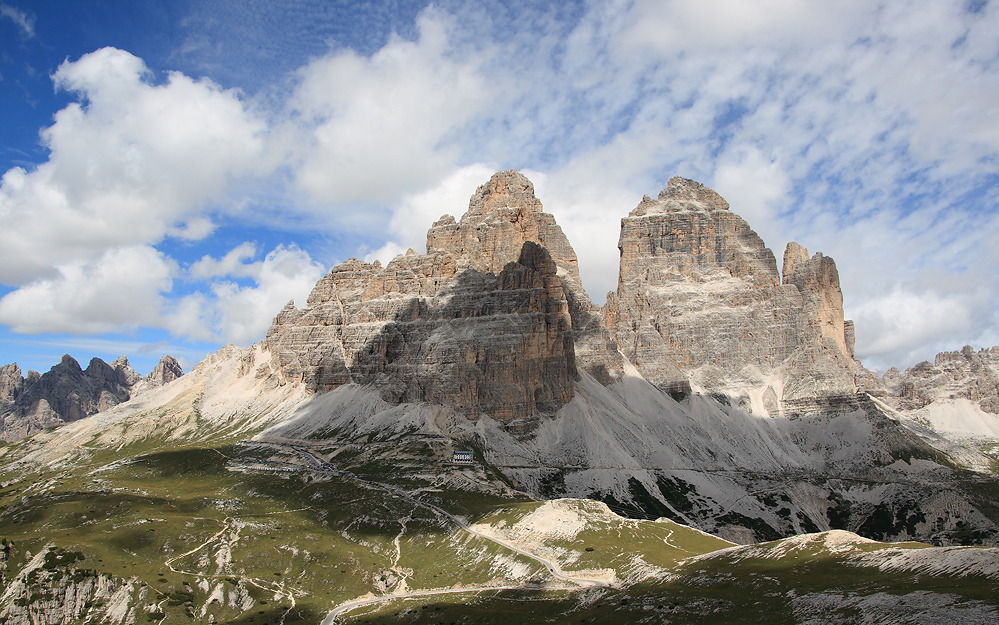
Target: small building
463, 457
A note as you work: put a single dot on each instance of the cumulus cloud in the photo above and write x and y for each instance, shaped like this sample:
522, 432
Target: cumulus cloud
121, 289
413, 215
380, 126
237, 313
759, 187
899, 326
129, 164
229, 265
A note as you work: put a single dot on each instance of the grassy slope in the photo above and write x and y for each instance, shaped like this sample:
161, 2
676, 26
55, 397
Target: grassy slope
269, 539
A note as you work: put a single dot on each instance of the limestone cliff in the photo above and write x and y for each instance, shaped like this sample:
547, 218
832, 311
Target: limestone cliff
489, 321
700, 301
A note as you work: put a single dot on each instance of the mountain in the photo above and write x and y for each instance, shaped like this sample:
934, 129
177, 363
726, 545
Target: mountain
700, 302
704, 447
709, 390
69, 393
486, 323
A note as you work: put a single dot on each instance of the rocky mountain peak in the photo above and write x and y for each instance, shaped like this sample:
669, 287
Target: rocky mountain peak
491, 321
683, 194
126, 374
700, 302
503, 214
817, 280
794, 255
505, 190
11, 383
166, 370
964, 374
68, 393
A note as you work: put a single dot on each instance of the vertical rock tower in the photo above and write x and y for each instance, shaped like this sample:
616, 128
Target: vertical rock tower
487, 321
700, 302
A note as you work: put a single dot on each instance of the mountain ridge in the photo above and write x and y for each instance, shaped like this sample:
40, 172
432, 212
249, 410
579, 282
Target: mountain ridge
312, 476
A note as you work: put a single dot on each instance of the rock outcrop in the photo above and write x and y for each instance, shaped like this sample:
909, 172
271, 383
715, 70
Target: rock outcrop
492, 320
700, 302
166, 370
11, 384
68, 393
965, 374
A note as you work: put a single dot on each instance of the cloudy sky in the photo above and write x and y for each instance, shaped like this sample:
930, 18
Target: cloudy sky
174, 172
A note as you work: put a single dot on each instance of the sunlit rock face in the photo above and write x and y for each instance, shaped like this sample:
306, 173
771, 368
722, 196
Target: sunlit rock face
700, 302
966, 374
492, 320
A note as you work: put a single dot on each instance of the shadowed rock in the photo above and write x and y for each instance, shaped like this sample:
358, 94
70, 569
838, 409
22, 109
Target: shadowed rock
68, 393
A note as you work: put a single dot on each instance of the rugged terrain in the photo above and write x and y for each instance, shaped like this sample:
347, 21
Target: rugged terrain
710, 389
68, 393
308, 478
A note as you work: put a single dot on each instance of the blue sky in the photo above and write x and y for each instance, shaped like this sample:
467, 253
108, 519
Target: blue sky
174, 172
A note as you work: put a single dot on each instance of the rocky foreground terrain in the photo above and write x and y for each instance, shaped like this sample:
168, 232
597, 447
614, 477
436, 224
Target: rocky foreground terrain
713, 402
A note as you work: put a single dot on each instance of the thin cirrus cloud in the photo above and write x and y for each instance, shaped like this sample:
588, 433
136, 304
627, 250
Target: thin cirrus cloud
865, 131
24, 20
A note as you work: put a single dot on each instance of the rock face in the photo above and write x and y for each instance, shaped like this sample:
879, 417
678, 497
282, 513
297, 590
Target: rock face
68, 393
965, 374
166, 370
53, 588
487, 322
11, 384
700, 302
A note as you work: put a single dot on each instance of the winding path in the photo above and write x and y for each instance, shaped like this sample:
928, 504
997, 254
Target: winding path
550, 566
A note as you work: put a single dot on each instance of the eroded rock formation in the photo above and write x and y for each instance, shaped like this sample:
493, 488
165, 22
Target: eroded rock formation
492, 320
700, 301
68, 393
965, 374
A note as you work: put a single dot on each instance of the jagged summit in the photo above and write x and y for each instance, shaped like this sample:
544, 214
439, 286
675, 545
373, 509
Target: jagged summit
505, 190
681, 191
491, 321
502, 215
67, 392
700, 304
681, 194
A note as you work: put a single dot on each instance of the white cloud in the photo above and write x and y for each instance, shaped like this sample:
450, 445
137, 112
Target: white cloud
416, 212
241, 314
383, 125
759, 187
589, 211
24, 20
122, 289
130, 164
904, 326
229, 265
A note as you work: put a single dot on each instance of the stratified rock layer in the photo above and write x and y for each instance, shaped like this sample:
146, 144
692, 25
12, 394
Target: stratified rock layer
700, 301
488, 321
